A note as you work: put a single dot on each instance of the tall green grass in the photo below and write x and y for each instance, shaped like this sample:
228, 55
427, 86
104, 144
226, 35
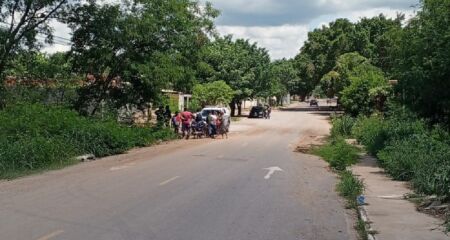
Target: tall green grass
338, 153
35, 137
342, 126
406, 148
350, 187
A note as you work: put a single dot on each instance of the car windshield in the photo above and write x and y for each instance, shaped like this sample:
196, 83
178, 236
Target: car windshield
206, 112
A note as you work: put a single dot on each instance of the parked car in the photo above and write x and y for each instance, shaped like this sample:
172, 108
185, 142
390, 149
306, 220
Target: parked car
313, 102
226, 114
256, 112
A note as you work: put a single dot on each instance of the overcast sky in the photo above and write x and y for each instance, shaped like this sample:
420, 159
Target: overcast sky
281, 26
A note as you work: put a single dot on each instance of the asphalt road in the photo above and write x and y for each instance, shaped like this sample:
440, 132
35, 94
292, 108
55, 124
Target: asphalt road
188, 190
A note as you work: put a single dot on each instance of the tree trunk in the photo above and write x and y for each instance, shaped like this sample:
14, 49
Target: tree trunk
239, 105
233, 107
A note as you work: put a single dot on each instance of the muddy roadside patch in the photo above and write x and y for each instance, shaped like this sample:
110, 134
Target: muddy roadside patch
308, 142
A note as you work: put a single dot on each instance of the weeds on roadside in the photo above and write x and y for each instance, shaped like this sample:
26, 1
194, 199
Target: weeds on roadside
34, 137
338, 153
350, 187
361, 229
342, 126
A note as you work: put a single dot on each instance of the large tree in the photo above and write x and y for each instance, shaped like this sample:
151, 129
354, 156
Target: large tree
21, 21
245, 67
131, 51
336, 80
372, 38
366, 91
423, 62
283, 79
213, 93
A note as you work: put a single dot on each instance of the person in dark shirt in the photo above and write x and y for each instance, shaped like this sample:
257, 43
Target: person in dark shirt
167, 116
160, 116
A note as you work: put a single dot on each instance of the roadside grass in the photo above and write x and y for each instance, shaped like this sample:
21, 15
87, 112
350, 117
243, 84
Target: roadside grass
361, 229
338, 153
10, 175
35, 138
350, 187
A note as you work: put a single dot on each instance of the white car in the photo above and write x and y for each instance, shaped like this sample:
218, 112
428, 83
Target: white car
226, 114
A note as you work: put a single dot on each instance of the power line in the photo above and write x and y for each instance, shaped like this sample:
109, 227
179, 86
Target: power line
62, 39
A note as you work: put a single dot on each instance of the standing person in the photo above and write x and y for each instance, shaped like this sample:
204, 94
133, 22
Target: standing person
160, 116
212, 122
269, 111
265, 111
167, 116
186, 119
221, 128
176, 122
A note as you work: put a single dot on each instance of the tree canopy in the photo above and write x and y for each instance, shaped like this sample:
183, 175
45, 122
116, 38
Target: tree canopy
133, 50
242, 65
213, 93
22, 21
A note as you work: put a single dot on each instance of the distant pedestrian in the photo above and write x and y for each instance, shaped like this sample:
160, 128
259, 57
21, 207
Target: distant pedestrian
265, 111
160, 116
269, 111
167, 116
176, 122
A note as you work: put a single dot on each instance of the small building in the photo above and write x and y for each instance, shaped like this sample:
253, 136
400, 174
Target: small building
180, 99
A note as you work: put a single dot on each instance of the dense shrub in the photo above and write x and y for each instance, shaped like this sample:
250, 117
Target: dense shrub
338, 153
401, 157
423, 160
342, 126
34, 137
375, 132
371, 132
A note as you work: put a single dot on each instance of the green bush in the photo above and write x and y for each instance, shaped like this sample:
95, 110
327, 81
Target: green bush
401, 157
338, 153
342, 126
432, 174
401, 129
34, 137
370, 131
421, 159
375, 132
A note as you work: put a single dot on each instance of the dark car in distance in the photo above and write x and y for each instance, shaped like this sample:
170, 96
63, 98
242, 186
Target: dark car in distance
256, 112
313, 102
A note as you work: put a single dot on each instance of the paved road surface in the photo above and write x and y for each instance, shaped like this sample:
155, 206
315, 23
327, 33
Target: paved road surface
194, 190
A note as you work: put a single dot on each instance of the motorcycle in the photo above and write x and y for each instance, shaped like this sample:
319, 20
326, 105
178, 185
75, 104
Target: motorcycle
199, 129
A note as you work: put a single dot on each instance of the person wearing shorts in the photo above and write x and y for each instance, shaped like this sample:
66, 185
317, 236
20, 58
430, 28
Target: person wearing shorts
186, 119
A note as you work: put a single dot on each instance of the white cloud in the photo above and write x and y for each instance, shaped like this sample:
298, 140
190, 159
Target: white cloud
282, 26
61, 38
281, 41
285, 41
355, 16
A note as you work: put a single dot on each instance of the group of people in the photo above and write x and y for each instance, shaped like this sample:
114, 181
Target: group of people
186, 123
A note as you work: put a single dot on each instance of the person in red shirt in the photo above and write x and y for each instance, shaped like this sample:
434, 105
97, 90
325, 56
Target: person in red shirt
176, 122
186, 119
